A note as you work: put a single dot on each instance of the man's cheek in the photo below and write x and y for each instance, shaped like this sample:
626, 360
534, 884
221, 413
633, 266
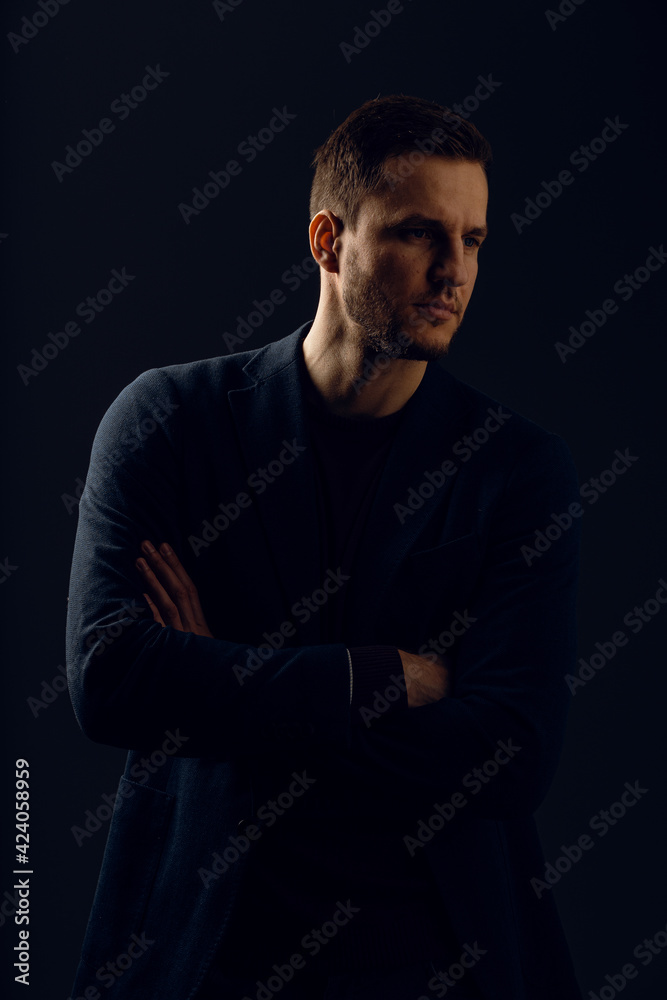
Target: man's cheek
416, 320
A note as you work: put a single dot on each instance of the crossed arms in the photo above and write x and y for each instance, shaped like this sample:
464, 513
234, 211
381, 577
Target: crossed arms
506, 679
174, 601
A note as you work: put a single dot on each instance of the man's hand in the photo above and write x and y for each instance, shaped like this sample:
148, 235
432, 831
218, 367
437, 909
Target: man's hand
172, 596
426, 677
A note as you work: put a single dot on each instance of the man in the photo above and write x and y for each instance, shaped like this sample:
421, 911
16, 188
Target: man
343, 693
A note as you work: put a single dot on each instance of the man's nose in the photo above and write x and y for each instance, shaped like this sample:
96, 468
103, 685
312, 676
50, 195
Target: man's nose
450, 267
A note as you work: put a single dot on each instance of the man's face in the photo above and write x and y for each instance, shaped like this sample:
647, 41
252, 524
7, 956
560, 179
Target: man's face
414, 252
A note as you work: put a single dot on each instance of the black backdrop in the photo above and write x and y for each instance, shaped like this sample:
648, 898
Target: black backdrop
554, 78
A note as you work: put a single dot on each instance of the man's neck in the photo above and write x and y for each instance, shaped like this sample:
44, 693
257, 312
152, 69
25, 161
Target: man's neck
348, 382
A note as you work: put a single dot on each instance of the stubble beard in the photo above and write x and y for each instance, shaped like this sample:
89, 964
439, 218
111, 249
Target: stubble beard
383, 333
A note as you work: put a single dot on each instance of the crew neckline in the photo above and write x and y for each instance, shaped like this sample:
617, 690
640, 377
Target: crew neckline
320, 411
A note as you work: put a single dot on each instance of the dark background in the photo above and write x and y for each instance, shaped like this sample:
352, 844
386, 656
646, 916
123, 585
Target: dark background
119, 208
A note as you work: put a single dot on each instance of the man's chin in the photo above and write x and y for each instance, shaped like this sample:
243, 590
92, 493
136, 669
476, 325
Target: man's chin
426, 352
432, 343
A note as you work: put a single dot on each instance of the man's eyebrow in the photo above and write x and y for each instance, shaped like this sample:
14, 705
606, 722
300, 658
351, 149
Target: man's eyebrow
422, 220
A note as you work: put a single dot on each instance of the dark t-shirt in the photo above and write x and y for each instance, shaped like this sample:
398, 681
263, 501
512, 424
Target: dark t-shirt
339, 841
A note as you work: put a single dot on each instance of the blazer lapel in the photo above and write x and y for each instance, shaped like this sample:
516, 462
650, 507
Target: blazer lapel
271, 426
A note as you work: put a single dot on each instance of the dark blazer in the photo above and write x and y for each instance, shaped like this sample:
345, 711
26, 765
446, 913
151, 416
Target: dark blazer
180, 448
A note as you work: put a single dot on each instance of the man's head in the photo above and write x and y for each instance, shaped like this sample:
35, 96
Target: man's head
350, 165
398, 211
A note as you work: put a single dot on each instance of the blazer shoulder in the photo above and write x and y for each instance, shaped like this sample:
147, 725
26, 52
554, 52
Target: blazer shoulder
523, 432
217, 374
203, 382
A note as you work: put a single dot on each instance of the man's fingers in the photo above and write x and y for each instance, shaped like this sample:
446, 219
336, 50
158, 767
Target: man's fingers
156, 614
177, 592
176, 566
177, 587
427, 678
165, 606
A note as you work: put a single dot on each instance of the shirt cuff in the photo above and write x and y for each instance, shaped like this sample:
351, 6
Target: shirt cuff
377, 682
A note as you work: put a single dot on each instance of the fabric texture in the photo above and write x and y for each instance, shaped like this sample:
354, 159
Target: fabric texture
261, 713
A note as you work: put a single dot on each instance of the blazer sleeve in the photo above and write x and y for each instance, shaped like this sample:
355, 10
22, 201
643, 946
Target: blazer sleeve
508, 667
132, 680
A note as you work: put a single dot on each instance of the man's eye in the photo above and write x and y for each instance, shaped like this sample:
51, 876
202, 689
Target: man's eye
473, 243
419, 232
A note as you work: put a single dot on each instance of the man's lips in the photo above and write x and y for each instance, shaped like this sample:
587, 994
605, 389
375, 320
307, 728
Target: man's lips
437, 308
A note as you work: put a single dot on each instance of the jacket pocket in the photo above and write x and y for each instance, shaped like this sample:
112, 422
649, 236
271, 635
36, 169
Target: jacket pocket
445, 551
129, 867
431, 586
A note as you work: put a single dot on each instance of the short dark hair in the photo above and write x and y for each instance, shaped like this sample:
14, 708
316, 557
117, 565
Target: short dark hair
350, 163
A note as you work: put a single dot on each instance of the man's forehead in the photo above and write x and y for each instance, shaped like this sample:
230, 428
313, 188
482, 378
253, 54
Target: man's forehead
444, 190
405, 166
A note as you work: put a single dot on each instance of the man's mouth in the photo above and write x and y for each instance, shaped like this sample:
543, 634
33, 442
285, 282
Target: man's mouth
436, 309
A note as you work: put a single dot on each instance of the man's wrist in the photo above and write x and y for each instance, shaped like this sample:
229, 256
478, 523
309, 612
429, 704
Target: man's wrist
377, 682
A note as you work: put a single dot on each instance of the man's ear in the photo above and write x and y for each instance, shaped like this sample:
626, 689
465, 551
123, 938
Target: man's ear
325, 231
